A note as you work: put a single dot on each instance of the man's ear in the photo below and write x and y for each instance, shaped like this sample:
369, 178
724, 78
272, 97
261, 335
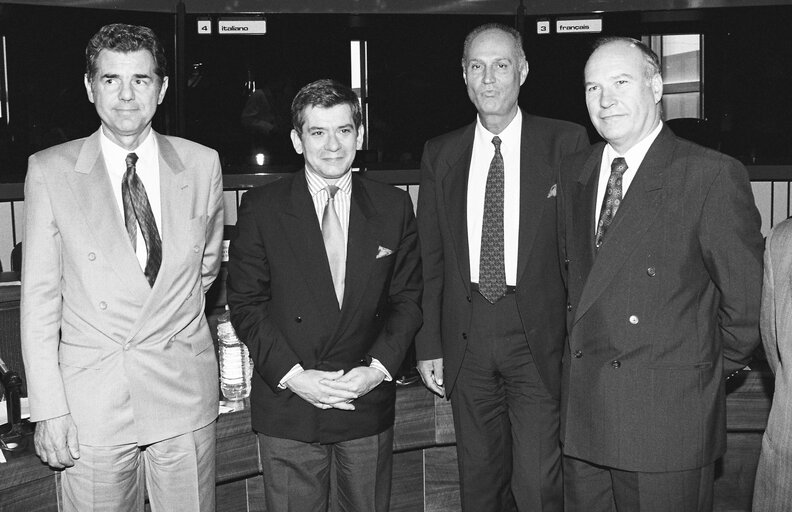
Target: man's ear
523, 71
657, 87
88, 89
360, 137
296, 141
163, 88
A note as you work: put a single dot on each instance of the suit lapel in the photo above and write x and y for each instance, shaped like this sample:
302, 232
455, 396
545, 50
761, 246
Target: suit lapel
176, 197
94, 194
455, 182
536, 178
584, 204
636, 214
362, 249
303, 233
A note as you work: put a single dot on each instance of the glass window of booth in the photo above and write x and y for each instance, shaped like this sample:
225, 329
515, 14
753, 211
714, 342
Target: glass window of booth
236, 90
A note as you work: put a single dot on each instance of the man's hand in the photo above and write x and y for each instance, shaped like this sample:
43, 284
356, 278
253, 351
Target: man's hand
431, 372
311, 386
56, 441
358, 381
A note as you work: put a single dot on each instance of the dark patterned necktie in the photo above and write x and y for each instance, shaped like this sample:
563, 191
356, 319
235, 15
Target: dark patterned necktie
137, 212
492, 269
612, 200
333, 235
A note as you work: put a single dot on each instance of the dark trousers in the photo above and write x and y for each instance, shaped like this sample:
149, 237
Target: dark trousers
348, 476
505, 419
590, 487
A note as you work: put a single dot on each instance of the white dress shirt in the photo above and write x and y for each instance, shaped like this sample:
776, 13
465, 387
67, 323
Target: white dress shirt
147, 169
634, 157
483, 151
317, 187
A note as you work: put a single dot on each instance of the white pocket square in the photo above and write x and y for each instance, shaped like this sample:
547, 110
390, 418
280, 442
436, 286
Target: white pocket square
552, 192
383, 251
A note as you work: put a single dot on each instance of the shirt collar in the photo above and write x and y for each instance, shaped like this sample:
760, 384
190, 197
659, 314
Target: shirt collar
114, 152
635, 155
510, 136
316, 183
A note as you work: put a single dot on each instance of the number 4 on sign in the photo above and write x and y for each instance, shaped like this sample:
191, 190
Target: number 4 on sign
204, 26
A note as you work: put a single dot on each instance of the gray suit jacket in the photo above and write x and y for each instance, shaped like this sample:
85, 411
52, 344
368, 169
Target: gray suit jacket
666, 308
131, 363
774, 475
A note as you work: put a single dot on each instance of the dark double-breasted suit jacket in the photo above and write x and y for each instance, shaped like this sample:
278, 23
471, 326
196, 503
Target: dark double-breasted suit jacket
442, 220
666, 308
284, 306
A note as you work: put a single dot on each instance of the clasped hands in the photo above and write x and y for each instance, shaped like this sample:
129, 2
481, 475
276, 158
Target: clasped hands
336, 389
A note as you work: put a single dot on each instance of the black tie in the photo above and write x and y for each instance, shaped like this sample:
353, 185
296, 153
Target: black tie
492, 269
137, 212
612, 200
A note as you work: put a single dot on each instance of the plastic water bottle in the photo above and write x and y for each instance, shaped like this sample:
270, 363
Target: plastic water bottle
235, 363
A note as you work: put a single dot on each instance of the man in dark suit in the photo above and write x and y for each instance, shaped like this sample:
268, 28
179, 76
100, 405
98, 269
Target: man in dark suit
324, 287
494, 300
664, 256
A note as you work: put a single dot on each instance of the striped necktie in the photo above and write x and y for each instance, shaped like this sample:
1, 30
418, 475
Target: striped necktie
137, 212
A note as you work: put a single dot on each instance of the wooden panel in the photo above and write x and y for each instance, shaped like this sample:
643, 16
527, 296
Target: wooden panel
442, 479
6, 238
749, 398
237, 450
232, 496
735, 473
780, 201
762, 197
415, 419
444, 422
255, 493
230, 207
407, 493
425, 473
30, 496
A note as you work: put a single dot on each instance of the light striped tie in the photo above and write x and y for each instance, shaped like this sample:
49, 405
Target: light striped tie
333, 235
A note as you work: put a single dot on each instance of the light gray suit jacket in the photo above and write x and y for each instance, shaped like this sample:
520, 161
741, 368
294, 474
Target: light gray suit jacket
774, 476
131, 363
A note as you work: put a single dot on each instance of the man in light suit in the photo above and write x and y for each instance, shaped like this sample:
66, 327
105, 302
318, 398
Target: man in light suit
774, 475
664, 257
497, 357
123, 232
324, 286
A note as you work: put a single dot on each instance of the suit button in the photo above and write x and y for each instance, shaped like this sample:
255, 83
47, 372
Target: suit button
196, 248
633, 319
616, 363
578, 354
103, 305
464, 335
91, 256
468, 298
298, 319
566, 262
126, 347
651, 272
569, 306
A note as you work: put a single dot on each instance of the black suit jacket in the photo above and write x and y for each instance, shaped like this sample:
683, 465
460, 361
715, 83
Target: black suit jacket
284, 307
442, 223
668, 305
